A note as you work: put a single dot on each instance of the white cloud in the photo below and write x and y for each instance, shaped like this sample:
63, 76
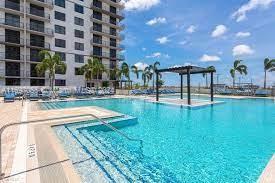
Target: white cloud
243, 34
162, 40
183, 42
141, 66
240, 14
219, 31
143, 49
191, 29
154, 55
242, 49
139, 5
209, 58
159, 20
158, 55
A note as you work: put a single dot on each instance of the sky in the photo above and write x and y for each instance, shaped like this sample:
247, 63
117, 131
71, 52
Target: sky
202, 33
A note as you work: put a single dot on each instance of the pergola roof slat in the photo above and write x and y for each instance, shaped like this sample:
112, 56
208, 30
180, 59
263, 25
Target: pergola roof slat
184, 70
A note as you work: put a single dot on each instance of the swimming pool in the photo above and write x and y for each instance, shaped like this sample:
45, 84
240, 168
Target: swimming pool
230, 142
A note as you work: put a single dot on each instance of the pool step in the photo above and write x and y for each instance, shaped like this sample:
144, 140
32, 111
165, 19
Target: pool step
131, 166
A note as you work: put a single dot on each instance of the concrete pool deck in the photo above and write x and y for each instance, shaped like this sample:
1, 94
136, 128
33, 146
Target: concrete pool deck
50, 156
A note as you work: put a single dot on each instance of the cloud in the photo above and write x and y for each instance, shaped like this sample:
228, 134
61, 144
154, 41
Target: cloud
243, 34
141, 66
144, 49
191, 29
139, 5
240, 14
209, 58
159, 20
162, 40
154, 55
183, 42
219, 31
241, 50
158, 55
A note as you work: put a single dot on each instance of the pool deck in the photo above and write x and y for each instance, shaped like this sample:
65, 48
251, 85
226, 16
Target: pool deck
44, 157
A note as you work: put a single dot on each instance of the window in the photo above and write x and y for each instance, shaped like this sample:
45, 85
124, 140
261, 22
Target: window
112, 42
113, 31
79, 46
60, 3
60, 82
60, 43
78, 33
37, 40
79, 58
112, 53
78, 21
78, 71
59, 16
113, 9
62, 55
59, 29
113, 20
13, 20
78, 8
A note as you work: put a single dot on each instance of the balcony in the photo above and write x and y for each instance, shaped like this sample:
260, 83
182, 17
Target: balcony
100, 19
8, 5
46, 3
12, 40
8, 56
97, 6
11, 23
109, 44
34, 58
38, 13
38, 44
40, 28
107, 55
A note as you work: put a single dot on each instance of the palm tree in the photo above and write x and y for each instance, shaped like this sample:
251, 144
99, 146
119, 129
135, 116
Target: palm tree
146, 75
205, 75
269, 65
94, 67
136, 71
125, 70
238, 67
153, 68
87, 69
50, 63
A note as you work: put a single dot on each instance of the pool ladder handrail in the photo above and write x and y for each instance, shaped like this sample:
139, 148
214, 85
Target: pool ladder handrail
2, 129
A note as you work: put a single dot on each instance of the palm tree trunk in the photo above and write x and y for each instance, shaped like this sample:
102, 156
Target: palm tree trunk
265, 79
233, 82
153, 82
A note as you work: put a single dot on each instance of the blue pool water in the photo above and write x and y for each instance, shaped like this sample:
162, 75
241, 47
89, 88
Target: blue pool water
229, 142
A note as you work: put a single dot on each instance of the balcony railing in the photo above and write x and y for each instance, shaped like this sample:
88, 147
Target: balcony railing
11, 39
107, 9
13, 72
107, 20
106, 43
11, 22
11, 56
39, 13
108, 55
40, 44
40, 28
12, 6
47, 2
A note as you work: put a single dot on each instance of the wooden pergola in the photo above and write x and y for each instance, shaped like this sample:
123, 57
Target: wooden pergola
187, 70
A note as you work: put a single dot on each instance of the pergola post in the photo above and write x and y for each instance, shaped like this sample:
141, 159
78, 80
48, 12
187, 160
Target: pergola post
188, 87
211, 87
181, 86
157, 87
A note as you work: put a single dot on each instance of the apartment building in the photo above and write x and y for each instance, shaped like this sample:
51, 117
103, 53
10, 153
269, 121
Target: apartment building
74, 29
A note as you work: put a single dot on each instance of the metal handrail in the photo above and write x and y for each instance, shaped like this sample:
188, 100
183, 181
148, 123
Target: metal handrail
58, 118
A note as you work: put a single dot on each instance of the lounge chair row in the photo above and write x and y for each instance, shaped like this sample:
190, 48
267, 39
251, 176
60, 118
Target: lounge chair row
151, 92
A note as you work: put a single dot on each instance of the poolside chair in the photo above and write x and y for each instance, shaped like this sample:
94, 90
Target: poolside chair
34, 96
9, 97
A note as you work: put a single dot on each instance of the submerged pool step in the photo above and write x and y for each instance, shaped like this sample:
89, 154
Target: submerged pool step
130, 165
112, 164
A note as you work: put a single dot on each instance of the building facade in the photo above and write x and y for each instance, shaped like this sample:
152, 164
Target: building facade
74, 29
